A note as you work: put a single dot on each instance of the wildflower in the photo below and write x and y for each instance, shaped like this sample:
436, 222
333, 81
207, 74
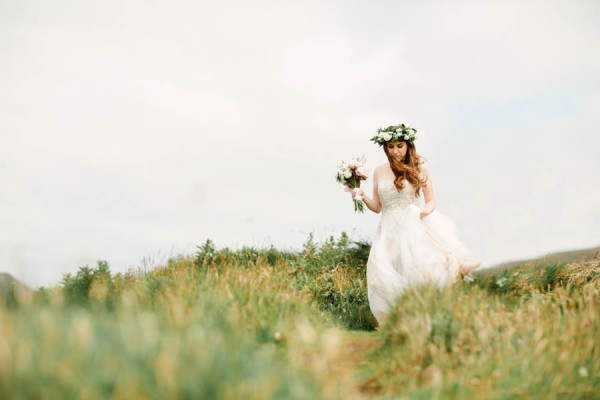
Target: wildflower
501, 282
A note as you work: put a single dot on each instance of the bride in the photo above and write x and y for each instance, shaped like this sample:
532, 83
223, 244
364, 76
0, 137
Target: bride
413, 244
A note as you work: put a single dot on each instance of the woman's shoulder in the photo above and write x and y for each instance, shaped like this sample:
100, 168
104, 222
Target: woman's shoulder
381, 169
383, 166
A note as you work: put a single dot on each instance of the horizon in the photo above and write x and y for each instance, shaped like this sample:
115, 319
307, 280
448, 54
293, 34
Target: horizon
135, 269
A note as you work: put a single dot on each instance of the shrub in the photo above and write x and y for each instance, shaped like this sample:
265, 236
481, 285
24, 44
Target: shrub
77, 288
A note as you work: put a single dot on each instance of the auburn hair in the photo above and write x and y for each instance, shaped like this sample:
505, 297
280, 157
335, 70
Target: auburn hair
408, 169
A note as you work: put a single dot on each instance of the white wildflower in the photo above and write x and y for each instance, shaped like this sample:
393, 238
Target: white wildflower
501, 282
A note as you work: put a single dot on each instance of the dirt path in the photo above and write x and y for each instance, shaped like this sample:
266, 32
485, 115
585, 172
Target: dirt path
355, 359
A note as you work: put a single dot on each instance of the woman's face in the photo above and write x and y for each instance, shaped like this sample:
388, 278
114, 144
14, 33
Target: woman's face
397, 149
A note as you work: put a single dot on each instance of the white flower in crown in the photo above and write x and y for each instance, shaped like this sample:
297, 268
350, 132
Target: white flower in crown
387, 136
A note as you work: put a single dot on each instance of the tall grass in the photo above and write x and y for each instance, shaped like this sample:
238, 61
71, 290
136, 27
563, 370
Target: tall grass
263, 323
526, 333
219, 324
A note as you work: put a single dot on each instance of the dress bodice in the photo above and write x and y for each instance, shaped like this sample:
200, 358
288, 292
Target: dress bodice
392, 198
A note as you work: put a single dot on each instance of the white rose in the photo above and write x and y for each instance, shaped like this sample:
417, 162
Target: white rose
406, 137
347, 174
387, 136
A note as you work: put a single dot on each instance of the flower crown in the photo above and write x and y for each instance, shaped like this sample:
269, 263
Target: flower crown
394, 134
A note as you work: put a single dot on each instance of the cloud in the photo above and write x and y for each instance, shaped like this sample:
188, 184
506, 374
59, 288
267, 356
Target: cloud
130, 129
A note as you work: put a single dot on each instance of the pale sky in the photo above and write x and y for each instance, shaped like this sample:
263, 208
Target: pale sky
132, 131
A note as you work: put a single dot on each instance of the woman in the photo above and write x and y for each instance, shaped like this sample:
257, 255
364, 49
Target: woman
413, 245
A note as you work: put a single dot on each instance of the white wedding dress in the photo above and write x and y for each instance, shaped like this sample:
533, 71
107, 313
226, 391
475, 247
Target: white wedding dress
409, 251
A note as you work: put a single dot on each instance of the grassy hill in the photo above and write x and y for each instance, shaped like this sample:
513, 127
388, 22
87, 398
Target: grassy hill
7, 282
582, 255
266, 324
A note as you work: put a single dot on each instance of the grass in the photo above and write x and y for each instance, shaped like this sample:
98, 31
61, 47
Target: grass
532, 339
263, 323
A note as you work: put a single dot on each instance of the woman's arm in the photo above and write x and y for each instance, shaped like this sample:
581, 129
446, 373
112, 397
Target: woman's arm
373, 204
427, 193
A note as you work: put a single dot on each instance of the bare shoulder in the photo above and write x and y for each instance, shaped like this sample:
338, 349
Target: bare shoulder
382, 167
424, 170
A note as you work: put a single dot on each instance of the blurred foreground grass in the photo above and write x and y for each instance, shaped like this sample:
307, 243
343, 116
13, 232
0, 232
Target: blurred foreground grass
264, 323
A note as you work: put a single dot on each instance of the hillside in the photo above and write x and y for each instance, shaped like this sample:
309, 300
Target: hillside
266, 324
6, 280
572, 256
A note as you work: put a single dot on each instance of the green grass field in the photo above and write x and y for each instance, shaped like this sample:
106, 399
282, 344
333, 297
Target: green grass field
269, 324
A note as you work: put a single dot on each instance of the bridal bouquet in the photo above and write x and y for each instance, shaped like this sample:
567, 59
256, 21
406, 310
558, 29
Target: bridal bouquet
350, 174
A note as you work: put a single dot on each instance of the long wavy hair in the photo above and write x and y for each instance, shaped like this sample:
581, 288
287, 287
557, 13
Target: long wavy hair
408, 169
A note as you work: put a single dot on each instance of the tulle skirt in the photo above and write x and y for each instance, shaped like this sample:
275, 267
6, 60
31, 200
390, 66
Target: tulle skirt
408, 251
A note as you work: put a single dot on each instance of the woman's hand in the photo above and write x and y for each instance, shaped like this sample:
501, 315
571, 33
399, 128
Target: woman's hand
358, 194
424, 214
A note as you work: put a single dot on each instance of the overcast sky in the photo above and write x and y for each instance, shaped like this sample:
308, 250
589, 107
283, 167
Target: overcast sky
131, 131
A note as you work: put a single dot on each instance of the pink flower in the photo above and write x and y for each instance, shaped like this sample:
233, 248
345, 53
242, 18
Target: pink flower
353, 165
362, 172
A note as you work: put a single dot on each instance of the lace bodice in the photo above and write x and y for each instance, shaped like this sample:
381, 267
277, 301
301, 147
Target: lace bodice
392, 198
